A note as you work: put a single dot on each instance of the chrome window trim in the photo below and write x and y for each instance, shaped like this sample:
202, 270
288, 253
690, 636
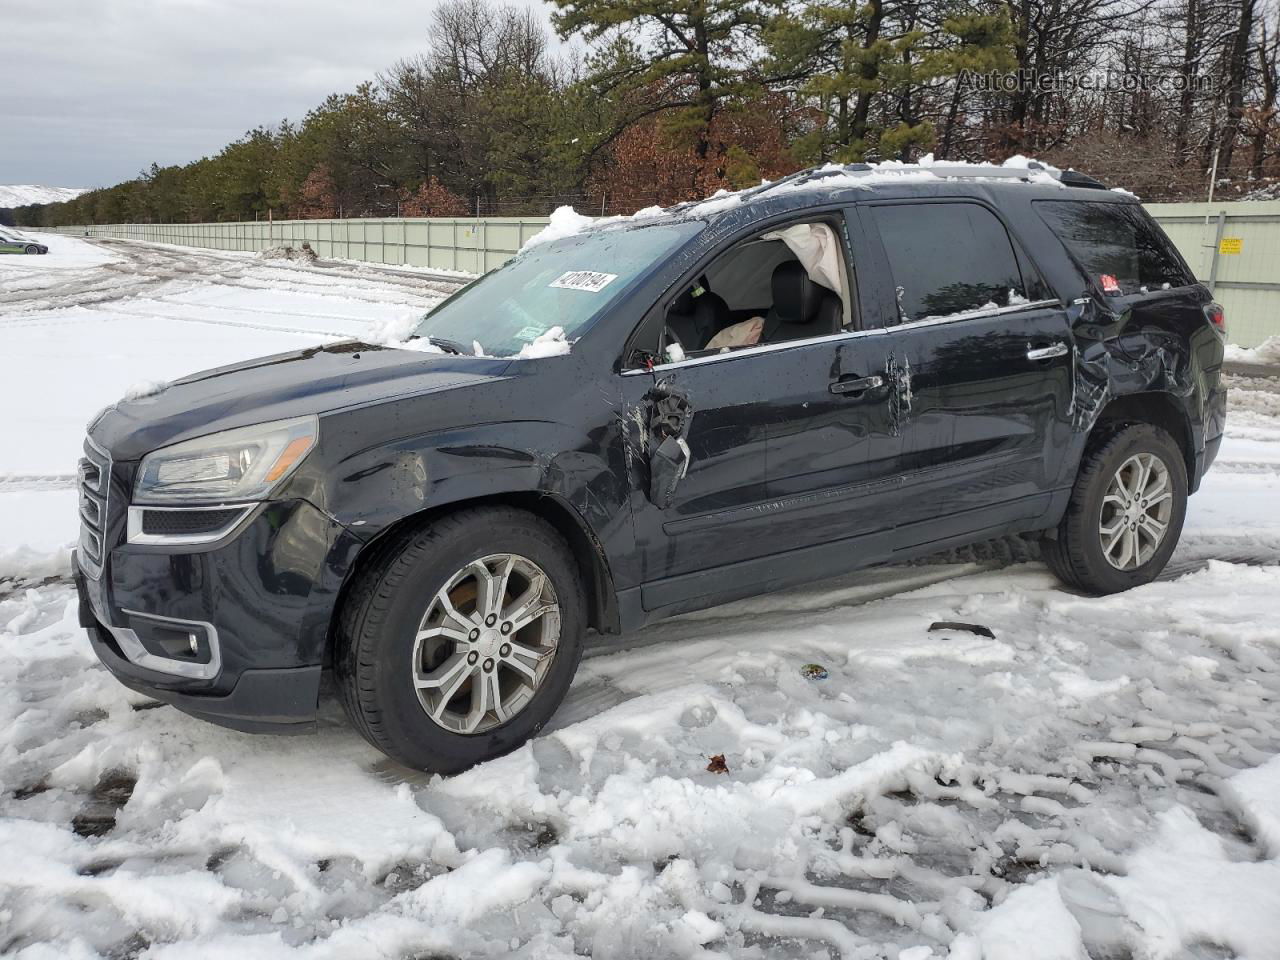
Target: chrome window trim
135, 534
137, 654
846, 335
977, 314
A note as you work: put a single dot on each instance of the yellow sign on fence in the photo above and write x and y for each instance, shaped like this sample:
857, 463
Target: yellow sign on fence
1231, 245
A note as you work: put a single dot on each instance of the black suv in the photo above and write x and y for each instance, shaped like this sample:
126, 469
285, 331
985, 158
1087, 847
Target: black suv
846, 367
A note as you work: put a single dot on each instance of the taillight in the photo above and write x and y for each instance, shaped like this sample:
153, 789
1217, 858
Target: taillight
1216, 316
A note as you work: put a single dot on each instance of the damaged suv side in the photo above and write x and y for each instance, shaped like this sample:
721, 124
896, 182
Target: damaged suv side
843, 368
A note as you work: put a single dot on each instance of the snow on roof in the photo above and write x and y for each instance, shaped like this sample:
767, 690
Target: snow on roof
566, 222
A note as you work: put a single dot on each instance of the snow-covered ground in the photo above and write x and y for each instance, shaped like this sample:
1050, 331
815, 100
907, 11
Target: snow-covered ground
1098, 781
83, 324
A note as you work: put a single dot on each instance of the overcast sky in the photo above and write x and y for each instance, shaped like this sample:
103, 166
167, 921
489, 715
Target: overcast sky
93, 91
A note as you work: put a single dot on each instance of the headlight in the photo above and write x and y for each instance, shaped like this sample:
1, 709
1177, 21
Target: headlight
242, 464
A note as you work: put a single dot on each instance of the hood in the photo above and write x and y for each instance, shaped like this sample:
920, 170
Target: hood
312, 381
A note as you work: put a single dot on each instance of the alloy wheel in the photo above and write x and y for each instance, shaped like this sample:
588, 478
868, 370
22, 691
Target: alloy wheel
486, 643
1135, 511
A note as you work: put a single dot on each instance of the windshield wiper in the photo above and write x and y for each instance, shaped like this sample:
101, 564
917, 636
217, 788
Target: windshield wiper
449, 346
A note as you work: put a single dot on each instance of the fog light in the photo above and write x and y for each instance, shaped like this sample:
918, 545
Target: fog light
175, 642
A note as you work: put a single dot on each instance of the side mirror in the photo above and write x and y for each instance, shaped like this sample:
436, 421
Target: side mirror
670, 416
667, 466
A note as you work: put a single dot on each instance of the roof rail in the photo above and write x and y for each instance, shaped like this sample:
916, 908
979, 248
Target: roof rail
985, 171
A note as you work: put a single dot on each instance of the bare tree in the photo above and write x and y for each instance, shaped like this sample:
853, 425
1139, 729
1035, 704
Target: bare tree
1237, 71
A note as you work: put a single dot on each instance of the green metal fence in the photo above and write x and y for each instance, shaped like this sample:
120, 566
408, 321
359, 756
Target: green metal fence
1234, 247
474, 245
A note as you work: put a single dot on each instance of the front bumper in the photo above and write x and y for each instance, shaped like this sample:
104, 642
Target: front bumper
232, 632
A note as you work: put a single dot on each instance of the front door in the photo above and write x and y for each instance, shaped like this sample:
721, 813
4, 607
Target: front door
707, 521
987, 358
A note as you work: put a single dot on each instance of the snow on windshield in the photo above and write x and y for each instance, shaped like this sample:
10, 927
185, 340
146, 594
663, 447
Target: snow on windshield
564, 282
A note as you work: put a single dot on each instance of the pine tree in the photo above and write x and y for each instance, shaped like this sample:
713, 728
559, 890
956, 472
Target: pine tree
681, 59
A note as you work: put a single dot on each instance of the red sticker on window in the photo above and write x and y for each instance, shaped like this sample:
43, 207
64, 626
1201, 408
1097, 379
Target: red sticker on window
1109, 283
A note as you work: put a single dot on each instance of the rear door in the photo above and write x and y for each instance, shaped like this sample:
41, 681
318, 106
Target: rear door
986, 357
834, 474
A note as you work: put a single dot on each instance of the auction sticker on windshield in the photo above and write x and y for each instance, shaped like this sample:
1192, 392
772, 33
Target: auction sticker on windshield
587, 280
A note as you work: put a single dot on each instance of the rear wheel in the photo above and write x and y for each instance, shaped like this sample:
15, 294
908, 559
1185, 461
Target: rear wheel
1125, 515
461, 639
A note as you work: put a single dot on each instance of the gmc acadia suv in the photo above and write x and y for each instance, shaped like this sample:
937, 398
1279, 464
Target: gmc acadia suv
846, 367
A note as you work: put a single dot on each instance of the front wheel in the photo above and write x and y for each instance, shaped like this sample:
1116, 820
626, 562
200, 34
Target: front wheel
459, 642
1125, 514
32, 248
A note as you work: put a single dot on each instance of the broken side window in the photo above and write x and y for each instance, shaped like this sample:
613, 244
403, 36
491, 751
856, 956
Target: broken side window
1116, 244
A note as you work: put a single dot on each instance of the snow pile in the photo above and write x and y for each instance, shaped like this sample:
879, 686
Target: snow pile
397, 332
1187, 885
564, 222
1266, 352
24, 565
303, 253
550, 343
145, 388
1253, 795
23, 194
1032, 921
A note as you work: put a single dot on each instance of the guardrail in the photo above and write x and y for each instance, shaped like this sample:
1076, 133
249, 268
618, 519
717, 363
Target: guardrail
1234, 247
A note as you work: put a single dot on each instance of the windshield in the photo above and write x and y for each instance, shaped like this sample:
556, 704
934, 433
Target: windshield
564, 283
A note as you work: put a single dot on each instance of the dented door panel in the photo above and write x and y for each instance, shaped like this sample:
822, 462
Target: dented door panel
989, 414
700, 524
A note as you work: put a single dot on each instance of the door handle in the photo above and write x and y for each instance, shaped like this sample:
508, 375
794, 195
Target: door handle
860, 385
1047, 353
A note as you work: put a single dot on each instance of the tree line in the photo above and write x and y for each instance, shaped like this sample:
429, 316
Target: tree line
664, 100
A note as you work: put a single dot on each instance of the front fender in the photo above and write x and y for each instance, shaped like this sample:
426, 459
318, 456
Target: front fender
375, 489
378, 487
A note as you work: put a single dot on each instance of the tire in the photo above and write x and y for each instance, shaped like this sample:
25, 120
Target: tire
379, 651
1078, 555
32, 248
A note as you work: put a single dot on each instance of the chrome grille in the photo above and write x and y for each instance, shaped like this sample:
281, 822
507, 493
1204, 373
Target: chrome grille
95, 490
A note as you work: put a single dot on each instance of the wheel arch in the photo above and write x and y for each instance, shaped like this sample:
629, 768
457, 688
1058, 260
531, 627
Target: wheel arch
585, 547
1159, 409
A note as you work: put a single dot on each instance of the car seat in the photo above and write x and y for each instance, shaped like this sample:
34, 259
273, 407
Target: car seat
801, 308
695, 320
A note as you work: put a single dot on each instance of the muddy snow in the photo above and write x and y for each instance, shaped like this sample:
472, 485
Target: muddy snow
1099, 779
